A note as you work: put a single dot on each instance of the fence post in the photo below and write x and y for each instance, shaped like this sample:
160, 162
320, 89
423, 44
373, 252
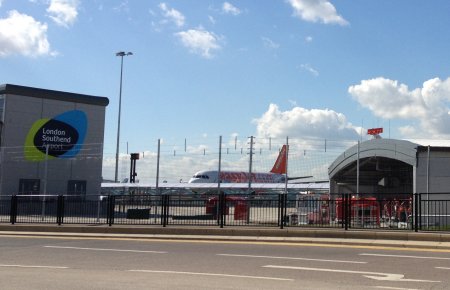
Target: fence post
165, 209
420, 210
279, 210
349, 210
60, 210
13, 211
345, 208
222, 205
416, 212
285, 208
219, 192
163, 201
110, 210
281, 205
342, 211
113, 206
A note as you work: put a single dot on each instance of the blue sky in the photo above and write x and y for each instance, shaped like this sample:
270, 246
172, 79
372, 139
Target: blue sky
297, 68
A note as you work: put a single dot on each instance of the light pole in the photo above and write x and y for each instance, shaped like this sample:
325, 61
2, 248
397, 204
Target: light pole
121, 54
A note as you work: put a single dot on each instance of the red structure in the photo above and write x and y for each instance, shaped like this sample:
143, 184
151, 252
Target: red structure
375, 131
363, 211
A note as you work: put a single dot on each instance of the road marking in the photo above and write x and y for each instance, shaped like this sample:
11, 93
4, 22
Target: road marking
34, 266
211, 274
100, 249
292, 258
378, 276
443, 268
404, 256
219, 241
394, 288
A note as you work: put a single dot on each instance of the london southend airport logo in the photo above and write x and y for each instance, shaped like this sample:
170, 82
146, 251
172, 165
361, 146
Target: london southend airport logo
63, 135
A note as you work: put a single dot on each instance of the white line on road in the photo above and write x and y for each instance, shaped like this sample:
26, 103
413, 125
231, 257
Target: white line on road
404, 256
443, 268
34, 266
378, 276
211, 274
100, 249
292, 258
393, 288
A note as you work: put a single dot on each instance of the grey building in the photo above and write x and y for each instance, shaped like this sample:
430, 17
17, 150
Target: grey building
391, 166
51, 141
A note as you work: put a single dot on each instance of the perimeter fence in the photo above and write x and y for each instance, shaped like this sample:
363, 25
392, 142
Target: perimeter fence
413, 212
178, 160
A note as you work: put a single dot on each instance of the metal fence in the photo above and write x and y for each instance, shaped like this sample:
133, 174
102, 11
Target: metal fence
414, 212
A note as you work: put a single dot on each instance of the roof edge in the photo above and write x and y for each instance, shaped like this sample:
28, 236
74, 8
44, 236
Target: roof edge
400, 150
11, 89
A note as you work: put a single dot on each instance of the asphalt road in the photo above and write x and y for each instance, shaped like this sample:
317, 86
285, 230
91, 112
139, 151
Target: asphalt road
82, 263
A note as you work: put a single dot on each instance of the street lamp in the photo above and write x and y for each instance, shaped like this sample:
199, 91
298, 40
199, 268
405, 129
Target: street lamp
121, 54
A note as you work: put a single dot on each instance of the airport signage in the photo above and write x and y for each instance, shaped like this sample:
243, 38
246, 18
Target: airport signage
375, 131
59, 137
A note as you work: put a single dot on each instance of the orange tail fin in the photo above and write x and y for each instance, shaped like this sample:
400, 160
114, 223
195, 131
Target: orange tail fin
280, 165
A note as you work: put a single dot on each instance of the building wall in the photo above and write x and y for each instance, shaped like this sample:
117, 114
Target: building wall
439, 171
20, 113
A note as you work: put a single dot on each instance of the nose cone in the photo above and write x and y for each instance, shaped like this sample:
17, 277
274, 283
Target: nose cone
194, 180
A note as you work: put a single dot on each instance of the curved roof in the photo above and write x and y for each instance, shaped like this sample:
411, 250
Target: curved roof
401, 150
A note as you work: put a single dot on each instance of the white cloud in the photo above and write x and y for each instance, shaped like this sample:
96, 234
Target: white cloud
308, 39
303, 123
22, 34
172, 15
211, 19
309, 69
269, 43
1, 3
123, 6
228, 8
293, 103
389, 99
199, 41
317, 11
63, 12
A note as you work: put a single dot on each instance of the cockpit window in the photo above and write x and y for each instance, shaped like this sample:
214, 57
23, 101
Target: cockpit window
201, 176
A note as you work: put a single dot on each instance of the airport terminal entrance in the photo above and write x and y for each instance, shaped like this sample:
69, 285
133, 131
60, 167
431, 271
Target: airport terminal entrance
376, 175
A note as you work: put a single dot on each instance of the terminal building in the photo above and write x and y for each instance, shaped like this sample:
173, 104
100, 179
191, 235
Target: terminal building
51, 141
391, 166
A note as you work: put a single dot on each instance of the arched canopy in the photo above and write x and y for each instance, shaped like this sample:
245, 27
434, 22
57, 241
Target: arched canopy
385, 165
400, 150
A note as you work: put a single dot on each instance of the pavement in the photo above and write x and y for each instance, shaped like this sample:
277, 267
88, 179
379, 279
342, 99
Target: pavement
375, 238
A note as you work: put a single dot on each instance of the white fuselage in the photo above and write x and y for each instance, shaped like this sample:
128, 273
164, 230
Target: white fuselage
212, 176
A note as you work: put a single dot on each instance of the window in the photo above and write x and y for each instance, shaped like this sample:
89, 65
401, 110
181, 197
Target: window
76, 187
29, 186
201, 176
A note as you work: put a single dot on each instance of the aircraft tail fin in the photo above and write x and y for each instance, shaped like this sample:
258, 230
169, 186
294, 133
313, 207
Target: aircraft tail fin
280, 165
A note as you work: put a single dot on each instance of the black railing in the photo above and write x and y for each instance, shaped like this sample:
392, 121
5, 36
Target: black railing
418, 212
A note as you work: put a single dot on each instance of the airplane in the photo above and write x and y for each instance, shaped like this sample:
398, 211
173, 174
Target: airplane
276, 175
